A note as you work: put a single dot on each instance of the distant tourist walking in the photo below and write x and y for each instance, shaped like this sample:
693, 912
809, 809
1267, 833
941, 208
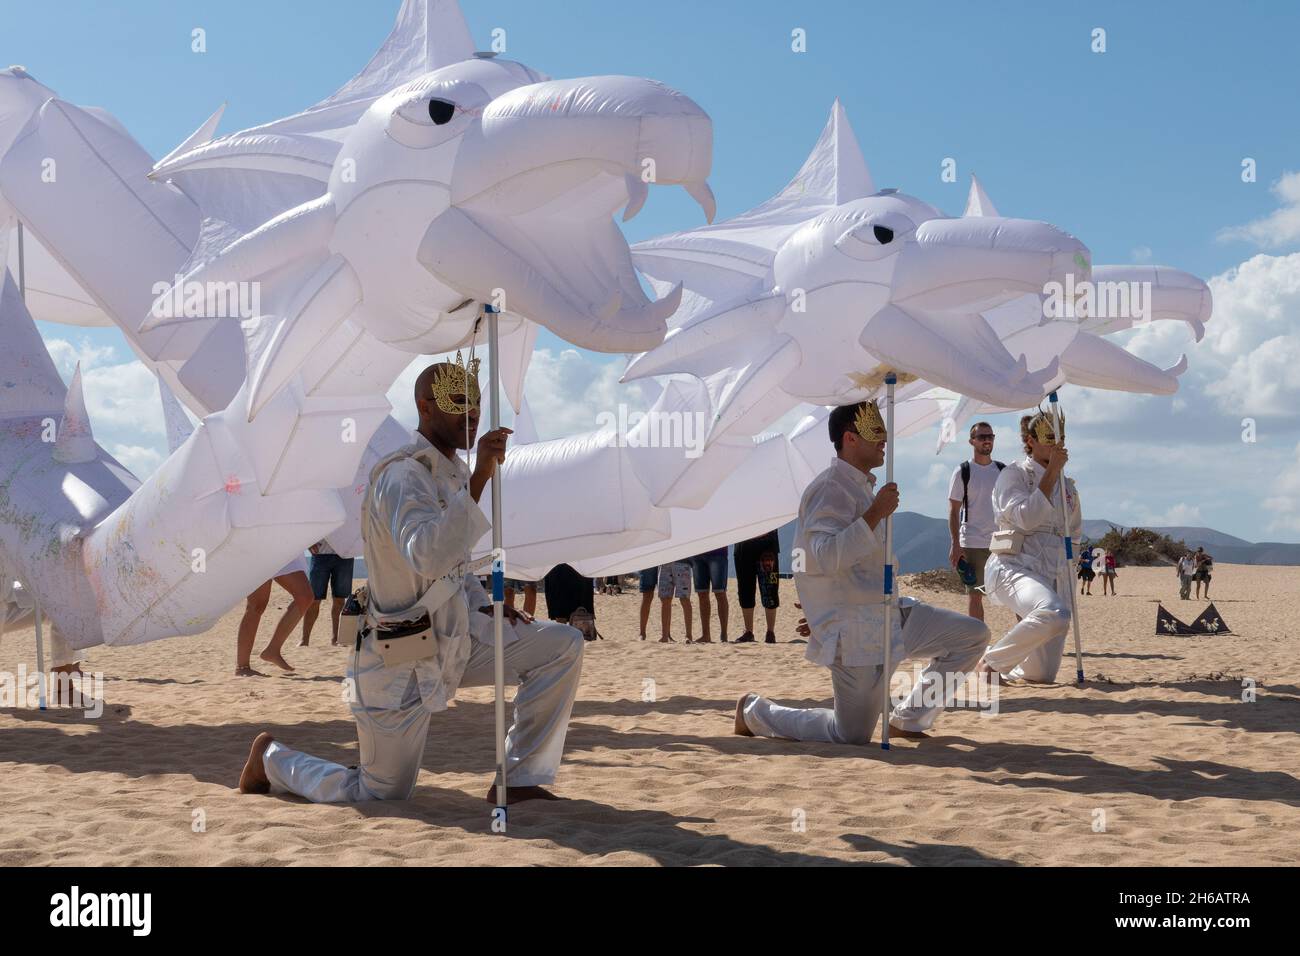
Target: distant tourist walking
1108, 574
1204, 568
970, 515
1086, 573
1186, 568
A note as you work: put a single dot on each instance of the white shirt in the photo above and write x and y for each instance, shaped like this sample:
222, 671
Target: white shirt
842, 586
1185, 566
1018, 504
419, 527
978, 523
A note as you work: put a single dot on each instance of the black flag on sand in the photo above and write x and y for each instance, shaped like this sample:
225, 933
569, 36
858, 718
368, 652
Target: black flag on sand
1208, 623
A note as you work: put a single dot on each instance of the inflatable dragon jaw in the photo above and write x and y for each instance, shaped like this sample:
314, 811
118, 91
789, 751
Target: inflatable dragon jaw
472, 183
817, 293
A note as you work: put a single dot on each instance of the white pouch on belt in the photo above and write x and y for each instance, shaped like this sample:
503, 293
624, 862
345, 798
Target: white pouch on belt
1006, 541
407, 635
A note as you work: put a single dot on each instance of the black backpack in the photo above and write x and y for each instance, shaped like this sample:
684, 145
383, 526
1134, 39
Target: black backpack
965, 485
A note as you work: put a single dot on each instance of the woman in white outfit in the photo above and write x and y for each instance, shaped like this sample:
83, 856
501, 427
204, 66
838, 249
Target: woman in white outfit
1033, 578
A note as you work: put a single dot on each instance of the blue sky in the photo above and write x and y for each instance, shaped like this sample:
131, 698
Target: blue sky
1136, 150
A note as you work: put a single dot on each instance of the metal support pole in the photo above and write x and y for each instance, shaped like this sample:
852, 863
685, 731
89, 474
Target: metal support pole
890, 381
498, 573
1069, 548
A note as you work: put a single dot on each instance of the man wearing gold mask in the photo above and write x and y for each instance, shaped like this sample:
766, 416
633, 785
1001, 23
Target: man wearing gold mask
428, 629
841, 545
1031, 576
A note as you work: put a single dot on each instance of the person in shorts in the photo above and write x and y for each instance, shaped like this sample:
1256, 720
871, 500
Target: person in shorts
327, 571
758, 563
710, 571
674, 582
970, 513
528, 589
1086, 573
649, 583
1204, 566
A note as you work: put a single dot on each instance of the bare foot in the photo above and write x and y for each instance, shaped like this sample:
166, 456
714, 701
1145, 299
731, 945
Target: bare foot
303, 643
520, 794
770, 638
666, 640
704, 640
253, 779
333, 643
243, 670
276, 658
746, 638
742, 729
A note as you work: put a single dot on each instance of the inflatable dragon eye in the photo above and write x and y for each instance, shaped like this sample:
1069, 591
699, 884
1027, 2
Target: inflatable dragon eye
422, 121
878, 236
441, 111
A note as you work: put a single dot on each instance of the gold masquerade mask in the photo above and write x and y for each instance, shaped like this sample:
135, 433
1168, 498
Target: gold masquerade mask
869, 424
456, 379
1044, 430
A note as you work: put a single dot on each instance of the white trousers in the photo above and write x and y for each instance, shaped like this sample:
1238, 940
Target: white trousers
1033, 648
953, 641
545, 662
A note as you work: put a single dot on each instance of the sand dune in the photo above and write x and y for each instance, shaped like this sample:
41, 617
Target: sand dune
1159, 741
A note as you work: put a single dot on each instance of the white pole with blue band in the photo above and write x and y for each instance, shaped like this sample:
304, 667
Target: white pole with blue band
36, 604
890, 381
1069, 547
498, 576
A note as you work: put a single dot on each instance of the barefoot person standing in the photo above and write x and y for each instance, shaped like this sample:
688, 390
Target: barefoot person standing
841, 537
420, 520
1033, 576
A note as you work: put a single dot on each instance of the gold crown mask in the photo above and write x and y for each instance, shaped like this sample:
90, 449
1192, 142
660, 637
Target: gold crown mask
1044, 431
869, 424
456, 379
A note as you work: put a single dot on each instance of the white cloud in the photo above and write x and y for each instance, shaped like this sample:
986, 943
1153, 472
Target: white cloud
1253, 336
1141, 254
142, 462
1284, 497
1280, 227
66, 355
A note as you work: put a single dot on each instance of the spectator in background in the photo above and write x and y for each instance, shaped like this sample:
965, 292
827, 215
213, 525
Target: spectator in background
970, 513
1108, 574
1202, 574
514, 586
1186, 568
710, 570
649, 583
758, 562
326, 570
674, 581
293, 578
566, 591
1086, 573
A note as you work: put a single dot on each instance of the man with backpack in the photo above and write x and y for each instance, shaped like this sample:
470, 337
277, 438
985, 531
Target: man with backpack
970, 515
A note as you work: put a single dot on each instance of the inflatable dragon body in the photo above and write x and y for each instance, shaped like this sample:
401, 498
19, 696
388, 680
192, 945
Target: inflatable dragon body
373, 225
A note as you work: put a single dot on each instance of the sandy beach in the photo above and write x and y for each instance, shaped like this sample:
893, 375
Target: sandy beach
1156, 761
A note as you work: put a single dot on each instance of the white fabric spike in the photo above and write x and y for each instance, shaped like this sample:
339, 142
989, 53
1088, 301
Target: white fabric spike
74, 442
